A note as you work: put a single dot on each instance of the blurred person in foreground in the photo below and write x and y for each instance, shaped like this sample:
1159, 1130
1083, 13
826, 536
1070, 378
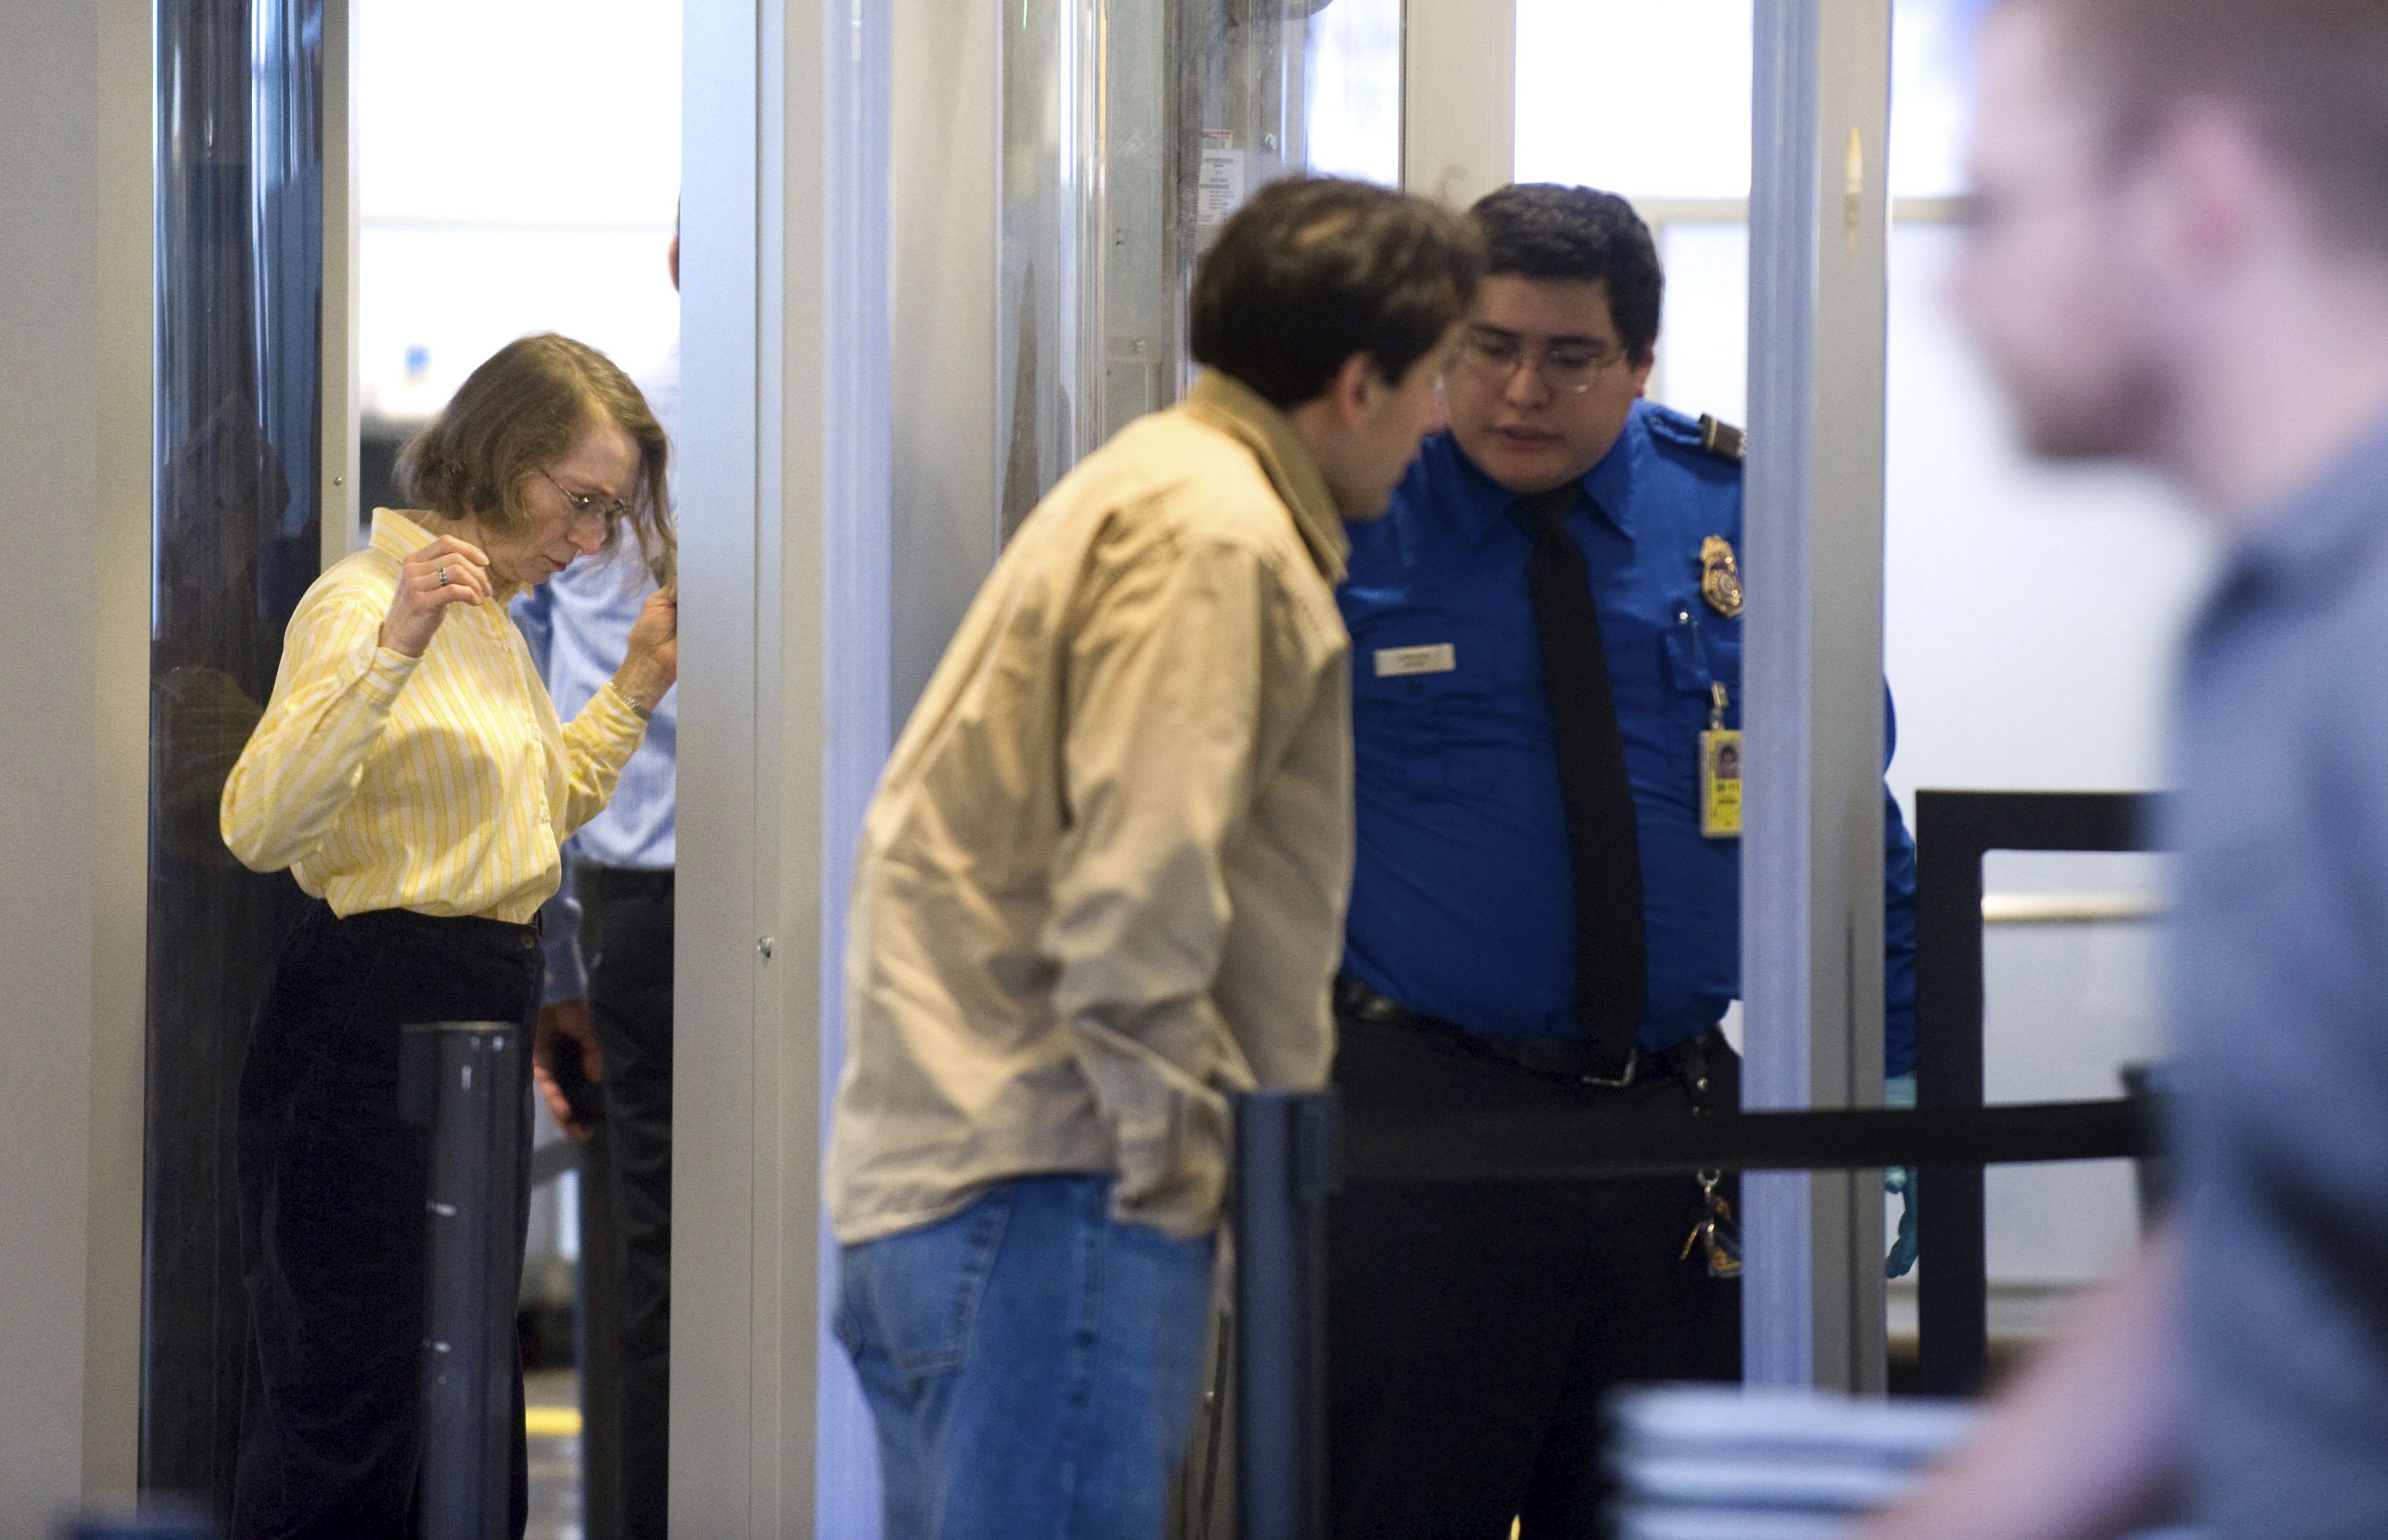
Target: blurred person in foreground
1102, 886
2181, 258
411, 774
609, 932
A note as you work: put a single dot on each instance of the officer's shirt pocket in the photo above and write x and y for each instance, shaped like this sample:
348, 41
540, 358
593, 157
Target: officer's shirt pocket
1702, 650
1426, 714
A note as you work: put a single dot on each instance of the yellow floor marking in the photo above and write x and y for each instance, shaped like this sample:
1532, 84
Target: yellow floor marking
552, 1421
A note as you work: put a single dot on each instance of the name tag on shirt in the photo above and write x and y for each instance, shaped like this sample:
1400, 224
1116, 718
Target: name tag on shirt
1393, 662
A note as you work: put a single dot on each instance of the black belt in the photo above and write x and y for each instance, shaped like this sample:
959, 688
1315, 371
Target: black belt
1575, 1060
625, 881
480, 934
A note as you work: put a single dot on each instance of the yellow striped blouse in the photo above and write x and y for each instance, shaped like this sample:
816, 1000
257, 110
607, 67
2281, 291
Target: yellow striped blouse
443, 783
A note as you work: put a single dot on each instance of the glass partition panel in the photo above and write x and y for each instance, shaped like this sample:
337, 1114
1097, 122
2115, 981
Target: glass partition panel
1352, 92
1130, 132
1048, 103
239, 188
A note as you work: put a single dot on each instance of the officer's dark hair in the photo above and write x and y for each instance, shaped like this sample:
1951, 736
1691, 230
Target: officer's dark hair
1315, 269
1542, 230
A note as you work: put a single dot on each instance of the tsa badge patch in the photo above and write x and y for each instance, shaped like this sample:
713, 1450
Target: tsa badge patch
1720, 576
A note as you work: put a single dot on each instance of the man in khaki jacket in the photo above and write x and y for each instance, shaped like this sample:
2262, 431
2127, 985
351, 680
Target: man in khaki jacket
1102, 886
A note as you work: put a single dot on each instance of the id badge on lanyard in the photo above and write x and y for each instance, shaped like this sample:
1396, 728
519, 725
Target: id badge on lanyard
1720, 772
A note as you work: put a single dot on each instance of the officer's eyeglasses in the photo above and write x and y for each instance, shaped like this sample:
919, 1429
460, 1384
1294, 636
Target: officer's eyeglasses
1571, 368
606, 514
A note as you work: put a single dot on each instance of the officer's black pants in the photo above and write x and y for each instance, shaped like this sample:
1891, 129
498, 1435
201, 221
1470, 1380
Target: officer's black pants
1473, 1328
629, 926
331, 1226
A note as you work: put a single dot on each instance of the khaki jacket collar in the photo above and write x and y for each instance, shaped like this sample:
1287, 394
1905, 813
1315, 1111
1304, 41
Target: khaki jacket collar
1237, 410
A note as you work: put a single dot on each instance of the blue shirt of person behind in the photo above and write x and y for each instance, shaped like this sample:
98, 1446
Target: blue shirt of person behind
1463, 895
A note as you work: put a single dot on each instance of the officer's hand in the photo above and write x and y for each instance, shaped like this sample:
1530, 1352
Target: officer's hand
1899, 1092
566, 1020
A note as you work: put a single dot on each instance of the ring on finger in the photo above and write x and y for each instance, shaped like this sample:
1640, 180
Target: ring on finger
442, 576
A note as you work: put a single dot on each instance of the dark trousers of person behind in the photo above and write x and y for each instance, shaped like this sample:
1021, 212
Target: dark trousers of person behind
627, 927
1473, 1329
334, 1245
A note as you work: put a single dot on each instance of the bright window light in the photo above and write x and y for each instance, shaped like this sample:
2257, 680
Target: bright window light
1650, 101
1352, 90
517, 170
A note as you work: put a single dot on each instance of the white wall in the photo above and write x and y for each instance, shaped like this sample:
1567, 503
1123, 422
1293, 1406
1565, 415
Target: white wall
2032, 611
517, 164
74, 457
2032, 616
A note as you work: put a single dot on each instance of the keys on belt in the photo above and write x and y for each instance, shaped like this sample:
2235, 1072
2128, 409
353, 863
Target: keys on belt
1715, 1238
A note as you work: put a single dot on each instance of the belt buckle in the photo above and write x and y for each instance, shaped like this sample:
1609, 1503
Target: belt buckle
1625, 1078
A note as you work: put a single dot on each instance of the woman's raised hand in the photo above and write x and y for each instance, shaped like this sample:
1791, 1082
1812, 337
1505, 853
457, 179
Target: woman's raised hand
652, 661
446, 571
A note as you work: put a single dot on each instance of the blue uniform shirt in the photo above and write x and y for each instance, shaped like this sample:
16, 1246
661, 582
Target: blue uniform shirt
1463, 896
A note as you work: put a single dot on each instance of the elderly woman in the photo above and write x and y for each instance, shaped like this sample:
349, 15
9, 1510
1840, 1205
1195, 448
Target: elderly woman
410, 772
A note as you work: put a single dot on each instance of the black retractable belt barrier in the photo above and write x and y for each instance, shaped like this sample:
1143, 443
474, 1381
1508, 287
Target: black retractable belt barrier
1288, 1161
464, 1078
1293, 1152
597, 1331
1562, 1144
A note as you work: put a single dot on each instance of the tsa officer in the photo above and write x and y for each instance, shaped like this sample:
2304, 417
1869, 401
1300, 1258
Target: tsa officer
1545, 910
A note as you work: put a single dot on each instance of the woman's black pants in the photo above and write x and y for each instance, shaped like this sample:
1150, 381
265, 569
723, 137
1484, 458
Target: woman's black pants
333, 1183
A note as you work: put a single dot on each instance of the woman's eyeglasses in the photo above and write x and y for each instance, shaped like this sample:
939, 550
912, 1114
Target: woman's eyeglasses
606, 513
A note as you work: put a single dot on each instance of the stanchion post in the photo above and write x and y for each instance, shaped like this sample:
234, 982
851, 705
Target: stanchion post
597, 1328
464, 1078
1286, 1165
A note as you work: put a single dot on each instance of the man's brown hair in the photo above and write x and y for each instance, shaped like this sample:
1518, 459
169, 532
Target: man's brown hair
2313, 73
526, 407
1313, 270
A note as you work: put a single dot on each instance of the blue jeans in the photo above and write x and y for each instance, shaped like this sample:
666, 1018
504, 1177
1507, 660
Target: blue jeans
1031, 1364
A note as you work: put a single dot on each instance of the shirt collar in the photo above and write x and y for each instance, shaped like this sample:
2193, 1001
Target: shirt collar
397, 536
2307, 548
2314, 537
1236, 410
1477, 502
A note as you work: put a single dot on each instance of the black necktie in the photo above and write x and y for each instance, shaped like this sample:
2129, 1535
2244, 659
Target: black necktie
1609, 966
